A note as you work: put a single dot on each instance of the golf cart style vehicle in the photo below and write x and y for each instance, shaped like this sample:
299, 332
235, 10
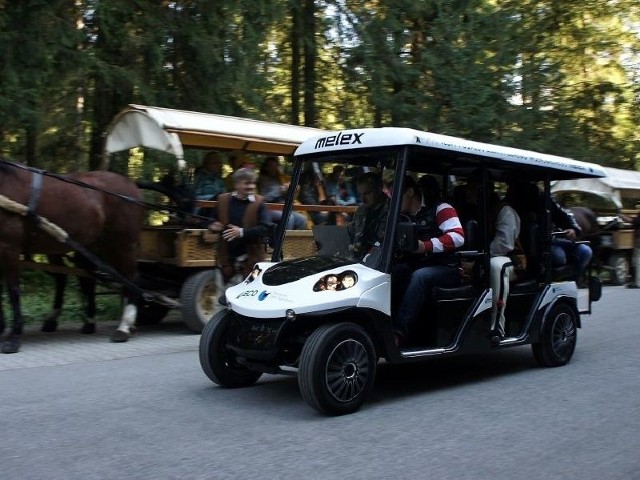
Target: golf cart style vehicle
329, 317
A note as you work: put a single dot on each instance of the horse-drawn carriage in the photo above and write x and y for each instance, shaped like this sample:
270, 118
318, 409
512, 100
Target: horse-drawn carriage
98, 215
613, 199
177, 256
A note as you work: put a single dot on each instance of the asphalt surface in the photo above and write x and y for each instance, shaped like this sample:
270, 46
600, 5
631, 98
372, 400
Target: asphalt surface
77, 407
67, 345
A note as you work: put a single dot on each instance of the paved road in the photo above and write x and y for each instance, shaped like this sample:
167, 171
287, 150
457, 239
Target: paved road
82, 408
68, 345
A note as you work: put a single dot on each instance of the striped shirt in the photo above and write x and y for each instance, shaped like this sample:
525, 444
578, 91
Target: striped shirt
452, 237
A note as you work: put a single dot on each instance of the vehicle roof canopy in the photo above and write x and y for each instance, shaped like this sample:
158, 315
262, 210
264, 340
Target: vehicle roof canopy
453, 154
172, 130
617, 185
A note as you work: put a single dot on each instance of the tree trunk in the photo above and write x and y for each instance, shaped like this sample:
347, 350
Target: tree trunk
310, 53
296, 35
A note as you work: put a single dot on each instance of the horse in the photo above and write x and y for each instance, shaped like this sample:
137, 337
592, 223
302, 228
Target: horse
101, 211
588, 223
587, 220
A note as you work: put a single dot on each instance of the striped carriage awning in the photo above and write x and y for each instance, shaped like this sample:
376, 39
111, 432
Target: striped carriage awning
171, 131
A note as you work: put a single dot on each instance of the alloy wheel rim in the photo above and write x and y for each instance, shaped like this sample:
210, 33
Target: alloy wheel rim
347, 370
564, 335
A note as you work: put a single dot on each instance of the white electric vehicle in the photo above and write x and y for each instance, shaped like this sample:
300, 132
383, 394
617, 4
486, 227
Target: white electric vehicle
328, 318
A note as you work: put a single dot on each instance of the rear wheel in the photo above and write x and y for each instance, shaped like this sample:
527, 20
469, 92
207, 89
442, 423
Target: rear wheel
337, 368
199, 299
619, 266
217, 361
557, 338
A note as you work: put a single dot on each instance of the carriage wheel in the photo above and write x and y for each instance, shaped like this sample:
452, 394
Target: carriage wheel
199, 298
619, 264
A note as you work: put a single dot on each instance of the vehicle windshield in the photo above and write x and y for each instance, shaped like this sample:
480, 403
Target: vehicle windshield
346, 199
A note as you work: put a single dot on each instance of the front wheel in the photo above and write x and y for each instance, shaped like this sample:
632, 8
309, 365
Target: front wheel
557, 338
217, 361
337, 368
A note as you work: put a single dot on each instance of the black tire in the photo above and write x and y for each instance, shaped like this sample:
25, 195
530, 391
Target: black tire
558, 337
199, 299
150, 313
218, 362
619, 266
337, 368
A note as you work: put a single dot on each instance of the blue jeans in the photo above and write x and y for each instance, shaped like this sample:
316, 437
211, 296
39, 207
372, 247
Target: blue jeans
296, 221
419, 290
565, 251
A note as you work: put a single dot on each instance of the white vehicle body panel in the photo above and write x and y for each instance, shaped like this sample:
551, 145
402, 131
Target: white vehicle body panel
257, 300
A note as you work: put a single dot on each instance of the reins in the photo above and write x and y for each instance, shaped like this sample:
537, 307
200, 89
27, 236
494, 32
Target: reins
148, 205
62, 236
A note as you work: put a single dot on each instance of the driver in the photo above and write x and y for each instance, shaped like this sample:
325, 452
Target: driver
432, 264
369, 220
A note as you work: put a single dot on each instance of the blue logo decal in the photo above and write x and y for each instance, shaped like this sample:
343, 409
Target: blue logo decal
264, 294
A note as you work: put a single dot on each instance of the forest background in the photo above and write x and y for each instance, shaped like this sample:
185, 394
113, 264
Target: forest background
556, 76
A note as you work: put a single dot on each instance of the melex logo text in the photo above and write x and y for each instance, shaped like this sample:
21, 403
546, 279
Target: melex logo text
340, 139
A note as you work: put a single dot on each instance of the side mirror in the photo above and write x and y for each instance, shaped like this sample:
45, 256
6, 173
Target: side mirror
406, 237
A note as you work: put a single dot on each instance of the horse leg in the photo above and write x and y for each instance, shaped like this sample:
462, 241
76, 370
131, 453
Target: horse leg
88, 289
50, 322
127, 325
126, 263
11, 343
87, 286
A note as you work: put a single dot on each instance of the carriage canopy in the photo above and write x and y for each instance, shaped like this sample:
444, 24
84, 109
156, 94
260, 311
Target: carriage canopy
620, 187
172, 131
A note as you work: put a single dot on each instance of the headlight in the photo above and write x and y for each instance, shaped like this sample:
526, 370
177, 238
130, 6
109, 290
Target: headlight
336, 281
255, 273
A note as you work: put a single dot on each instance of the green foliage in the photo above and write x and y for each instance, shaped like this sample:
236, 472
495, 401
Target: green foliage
37, 300
556, 76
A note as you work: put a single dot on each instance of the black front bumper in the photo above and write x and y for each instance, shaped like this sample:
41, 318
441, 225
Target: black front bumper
257, 338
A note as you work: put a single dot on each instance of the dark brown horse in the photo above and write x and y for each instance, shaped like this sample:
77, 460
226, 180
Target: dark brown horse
104, 223
588, 223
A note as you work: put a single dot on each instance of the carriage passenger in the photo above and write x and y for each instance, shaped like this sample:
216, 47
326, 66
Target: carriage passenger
528, 200
242, 220
208, 182
274, 189
433, 264
237, 160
